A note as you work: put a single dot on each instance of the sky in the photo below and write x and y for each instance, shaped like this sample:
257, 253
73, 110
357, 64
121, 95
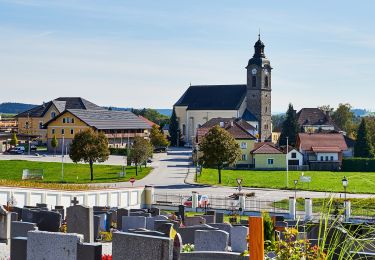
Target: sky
147, 53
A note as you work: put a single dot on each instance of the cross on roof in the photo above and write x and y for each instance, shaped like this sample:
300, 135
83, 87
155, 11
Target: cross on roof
74, 201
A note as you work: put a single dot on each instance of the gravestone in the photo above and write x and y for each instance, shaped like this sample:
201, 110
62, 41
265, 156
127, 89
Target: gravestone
121, 213
165, 228
5, 221
133, 222
219, 217
18, 248
211, 213
160, 217
50, 245
18, 211
225, 227
148, 232
209, 218
29, 215
20, 229
193, 221
130, 246
41, 205
150, 223
61, 210
48, 221
181, 212
188, 233
89, 251
177, 247
80, 219
96, 227
13, 216
140, 214
139, 210
154, 212
211, 240
239, 238
102, 221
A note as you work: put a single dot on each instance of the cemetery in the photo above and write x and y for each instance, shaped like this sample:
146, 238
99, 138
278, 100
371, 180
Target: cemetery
144, 229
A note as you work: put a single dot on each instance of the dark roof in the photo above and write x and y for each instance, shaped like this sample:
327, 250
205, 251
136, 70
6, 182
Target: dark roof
61, 103
248, 116
107, 119
314, 116
213, 97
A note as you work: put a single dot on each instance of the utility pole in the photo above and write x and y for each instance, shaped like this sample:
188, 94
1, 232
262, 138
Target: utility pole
287, 161
62, 158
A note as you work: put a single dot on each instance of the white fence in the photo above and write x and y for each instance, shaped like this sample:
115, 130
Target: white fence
119, 197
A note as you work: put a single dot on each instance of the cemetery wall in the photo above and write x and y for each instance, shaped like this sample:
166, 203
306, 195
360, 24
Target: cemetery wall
119, 197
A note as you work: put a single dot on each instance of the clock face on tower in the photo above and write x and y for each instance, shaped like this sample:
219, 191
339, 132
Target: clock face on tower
254, 71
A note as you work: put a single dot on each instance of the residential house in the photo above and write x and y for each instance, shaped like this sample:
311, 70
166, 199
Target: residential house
239, 129
268, 156
31, 122
250, 101
314, 120
120, 127
322, 151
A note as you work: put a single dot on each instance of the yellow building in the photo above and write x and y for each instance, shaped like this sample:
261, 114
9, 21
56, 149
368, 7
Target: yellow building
275, 137
120, 127
31, 122
267, 156
239, 129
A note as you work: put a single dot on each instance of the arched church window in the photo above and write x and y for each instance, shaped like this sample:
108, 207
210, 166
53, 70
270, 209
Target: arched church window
266, 81
254, 81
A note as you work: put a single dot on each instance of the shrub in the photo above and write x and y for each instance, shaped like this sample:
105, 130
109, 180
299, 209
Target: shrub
187, 248
118, 151
358, 165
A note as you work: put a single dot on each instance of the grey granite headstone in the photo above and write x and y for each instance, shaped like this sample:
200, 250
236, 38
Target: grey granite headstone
239, 238
89, 251
219, 217
20, 229
121, 213
211, 240
29, 215
48, 221
209, 218
140, 214
155, 212
150, 223
80, 219
165, 228
41, 205
139, 210
225, 227
51, 245
96, 227
133, 222
148, 232
188, 233
130, 246
193, 221
18, 248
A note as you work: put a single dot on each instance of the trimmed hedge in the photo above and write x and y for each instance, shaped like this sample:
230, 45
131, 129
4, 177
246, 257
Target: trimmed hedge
358, 165
118, 151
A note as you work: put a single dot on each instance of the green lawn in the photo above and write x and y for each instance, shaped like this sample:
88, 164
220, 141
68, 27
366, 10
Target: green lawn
359, 182
12, 170
359, 207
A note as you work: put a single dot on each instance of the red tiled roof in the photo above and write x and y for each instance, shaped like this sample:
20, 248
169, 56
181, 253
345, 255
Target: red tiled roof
306, 141
150, 123
266, 148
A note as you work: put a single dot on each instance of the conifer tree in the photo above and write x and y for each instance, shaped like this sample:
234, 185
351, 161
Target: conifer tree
290, 127
363, 147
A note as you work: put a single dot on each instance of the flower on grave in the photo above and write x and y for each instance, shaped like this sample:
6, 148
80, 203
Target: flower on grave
106, 257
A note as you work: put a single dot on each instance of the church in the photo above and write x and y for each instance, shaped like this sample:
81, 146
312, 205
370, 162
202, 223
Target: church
250, 102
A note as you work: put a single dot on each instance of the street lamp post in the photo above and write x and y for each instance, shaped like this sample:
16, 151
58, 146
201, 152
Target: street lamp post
239, 181
345, 183
62, 158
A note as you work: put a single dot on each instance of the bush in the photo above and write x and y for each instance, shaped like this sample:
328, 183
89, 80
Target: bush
269, 233
358, 165
118, 151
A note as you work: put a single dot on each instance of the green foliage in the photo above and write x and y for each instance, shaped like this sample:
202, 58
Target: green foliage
14, 140
343, 118
187, 248
90, 147
363, 147
140, 151
118, 151
289, 128
219, 148
173, 129
157, 138
54, 142
277, 122
358, 164
269, 232
152, 115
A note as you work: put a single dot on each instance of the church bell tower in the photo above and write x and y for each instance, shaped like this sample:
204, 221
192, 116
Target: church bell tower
259, 90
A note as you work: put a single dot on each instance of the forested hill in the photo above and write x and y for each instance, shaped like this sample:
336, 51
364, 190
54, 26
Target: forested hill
14, 108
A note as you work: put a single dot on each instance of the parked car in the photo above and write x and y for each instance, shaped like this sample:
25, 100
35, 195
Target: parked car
202, 201
33, 148
17, 150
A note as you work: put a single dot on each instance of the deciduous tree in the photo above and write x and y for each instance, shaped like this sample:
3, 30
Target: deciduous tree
14, 140
219, 148
157, 138
90, 147
343, 118
289, 128
363, 147
140, 151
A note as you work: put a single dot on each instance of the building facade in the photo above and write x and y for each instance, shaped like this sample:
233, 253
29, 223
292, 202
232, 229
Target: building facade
250, 102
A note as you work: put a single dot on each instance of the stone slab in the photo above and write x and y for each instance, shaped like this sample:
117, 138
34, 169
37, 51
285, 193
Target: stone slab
20, 229
188, 233
133, 222
89, 251
80, 219
239, 238
211, 240
18, 248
